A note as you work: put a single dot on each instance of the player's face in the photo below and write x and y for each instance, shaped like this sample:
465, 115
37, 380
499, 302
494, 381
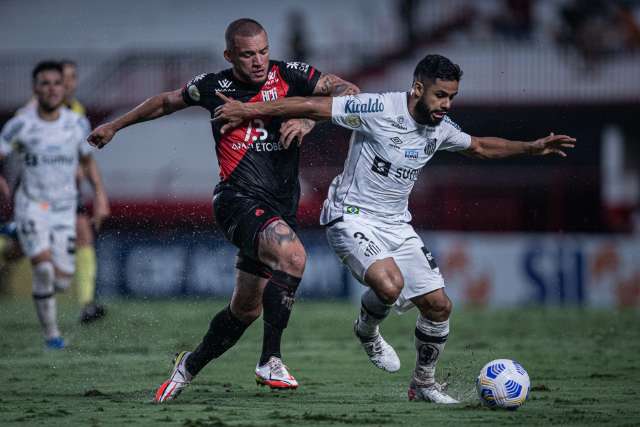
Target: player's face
436, 99
250, 58
70, 81
48, 89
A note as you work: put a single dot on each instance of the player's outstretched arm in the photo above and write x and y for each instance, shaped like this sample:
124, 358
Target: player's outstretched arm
154, 107
495, 148
233, 113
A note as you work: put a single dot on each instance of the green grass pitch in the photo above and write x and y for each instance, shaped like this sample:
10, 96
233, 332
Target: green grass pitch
584, 367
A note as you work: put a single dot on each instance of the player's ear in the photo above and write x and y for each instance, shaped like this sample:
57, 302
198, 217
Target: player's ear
417, 89
227, 55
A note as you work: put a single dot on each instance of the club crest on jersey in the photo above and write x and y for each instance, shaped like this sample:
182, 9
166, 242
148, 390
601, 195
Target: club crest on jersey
299, 66
381, 166
430, 146
411, 154
371, 106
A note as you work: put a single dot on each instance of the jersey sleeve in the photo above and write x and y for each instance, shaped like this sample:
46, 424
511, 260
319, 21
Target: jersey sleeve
9, 135
360, 112
454, 138
301, 77
200, 91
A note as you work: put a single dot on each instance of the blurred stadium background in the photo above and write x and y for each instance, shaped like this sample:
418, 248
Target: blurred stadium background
520, 231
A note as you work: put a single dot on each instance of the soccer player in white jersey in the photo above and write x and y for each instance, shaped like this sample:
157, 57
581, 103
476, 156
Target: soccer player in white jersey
366, 211
51, 142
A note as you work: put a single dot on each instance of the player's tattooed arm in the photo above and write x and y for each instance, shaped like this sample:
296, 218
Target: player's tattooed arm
495, 148
332, 85
233, 113
154, 107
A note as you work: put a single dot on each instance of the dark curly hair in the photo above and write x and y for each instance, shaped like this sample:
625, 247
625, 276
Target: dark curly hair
45, 66
433, 67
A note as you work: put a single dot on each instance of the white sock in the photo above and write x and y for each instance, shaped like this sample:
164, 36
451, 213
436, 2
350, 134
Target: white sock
372, 312
430, 340
44, 299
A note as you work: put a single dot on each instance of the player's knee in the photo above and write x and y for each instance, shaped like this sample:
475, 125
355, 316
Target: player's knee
390, 285
293, 261
43, 276
440, 307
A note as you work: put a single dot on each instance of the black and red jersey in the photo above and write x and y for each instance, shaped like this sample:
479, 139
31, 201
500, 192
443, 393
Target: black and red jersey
250, 157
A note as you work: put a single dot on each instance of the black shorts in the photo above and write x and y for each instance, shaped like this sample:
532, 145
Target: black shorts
241, 219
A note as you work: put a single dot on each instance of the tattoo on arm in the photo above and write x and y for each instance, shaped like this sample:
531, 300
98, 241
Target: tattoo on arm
332, 85
279, 233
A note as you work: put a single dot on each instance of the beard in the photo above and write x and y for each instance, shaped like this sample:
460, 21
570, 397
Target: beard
424, 112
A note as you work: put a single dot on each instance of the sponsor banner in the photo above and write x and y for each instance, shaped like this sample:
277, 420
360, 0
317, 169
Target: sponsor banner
485, 270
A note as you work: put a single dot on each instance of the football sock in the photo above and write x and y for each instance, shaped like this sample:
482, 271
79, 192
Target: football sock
277, 303
224, 331
430, 340
372, 312
44, 299
85, 276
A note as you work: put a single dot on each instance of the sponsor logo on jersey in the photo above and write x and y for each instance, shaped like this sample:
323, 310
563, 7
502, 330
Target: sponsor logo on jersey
411, 154
225, 85
193, 92
269, 95
430, 146
381, 166
352, 210
353, 121
398, 123
299, 66
407, 173
257, 146
371, 106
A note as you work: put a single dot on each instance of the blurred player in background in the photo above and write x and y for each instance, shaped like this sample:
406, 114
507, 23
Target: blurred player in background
85, 276
366, 211
255, 202
51, 141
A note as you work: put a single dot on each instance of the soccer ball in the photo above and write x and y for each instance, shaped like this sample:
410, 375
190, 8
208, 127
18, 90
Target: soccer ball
503, 383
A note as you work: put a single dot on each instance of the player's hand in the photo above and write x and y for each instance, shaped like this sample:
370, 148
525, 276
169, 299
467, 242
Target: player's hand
295, 129
553, 144
232, 112
101, 210
101, 135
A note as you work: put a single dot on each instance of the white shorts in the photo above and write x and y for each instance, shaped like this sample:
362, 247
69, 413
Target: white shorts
42, 227
359, 242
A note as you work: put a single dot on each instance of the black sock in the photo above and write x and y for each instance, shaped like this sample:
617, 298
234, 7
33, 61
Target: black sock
224, 331
277, 302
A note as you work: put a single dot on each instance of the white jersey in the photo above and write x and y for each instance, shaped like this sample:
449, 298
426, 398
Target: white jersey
388, 149
49, 151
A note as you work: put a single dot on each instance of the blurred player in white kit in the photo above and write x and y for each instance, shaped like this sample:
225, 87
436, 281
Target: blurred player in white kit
366, 211
51, 143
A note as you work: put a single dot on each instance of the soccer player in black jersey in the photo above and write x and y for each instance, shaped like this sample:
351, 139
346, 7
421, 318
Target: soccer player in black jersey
256, 200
